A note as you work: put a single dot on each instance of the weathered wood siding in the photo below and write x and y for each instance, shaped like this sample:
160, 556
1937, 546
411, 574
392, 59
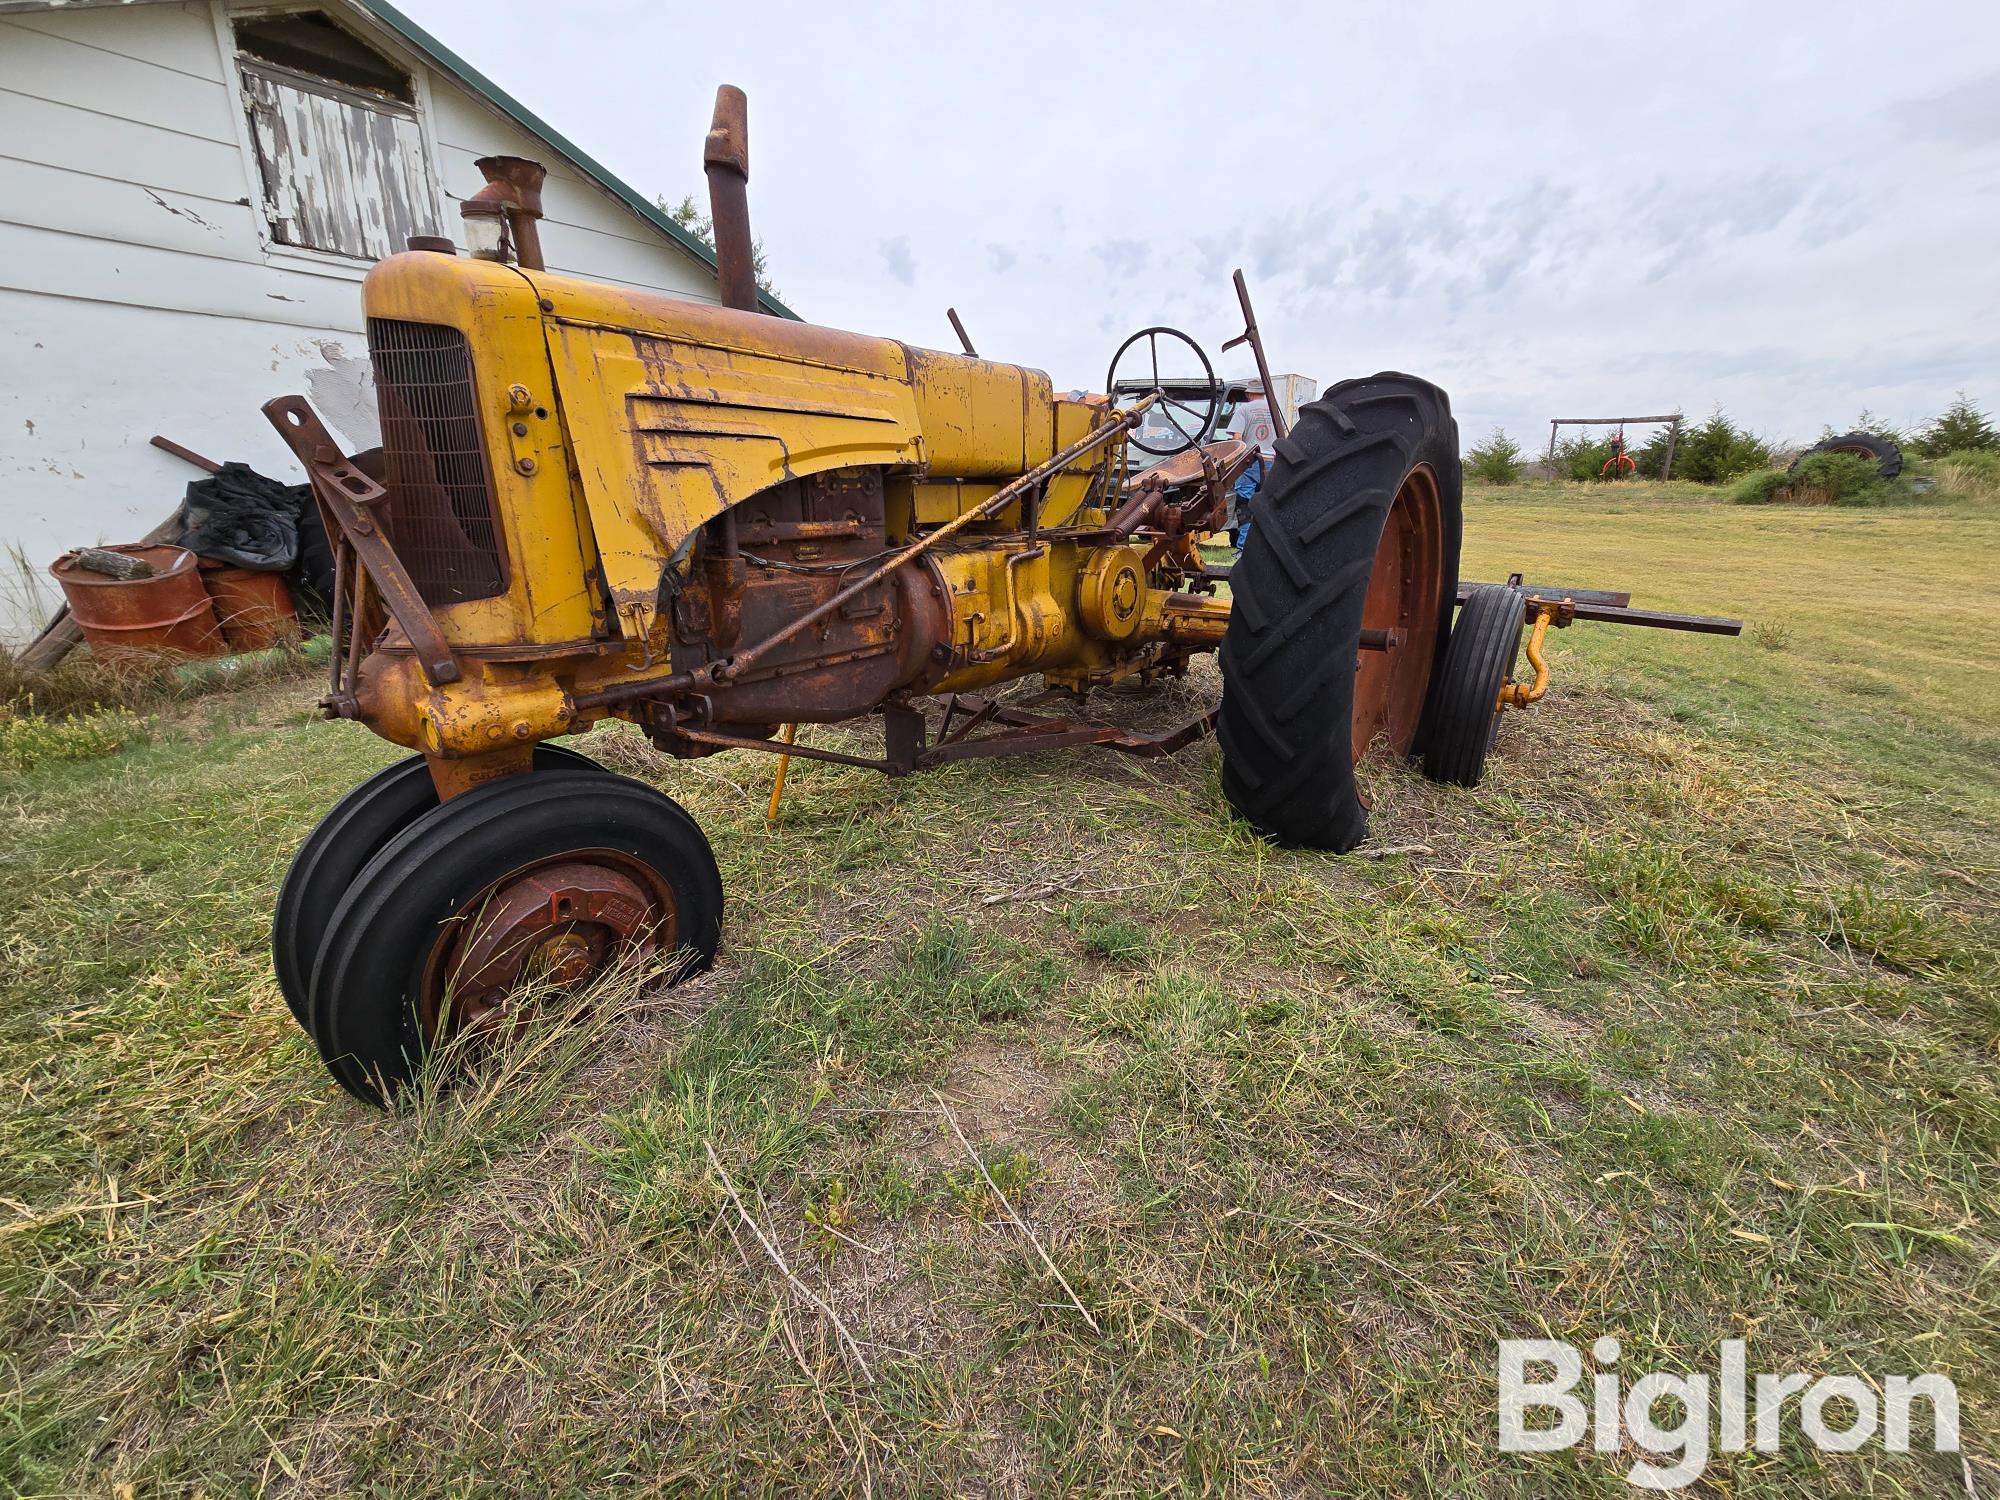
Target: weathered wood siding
340, 172
140, 290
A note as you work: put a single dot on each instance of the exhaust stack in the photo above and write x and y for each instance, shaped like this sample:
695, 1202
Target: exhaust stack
726, 159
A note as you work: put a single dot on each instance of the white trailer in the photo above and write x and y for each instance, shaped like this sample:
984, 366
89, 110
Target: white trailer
1293, 391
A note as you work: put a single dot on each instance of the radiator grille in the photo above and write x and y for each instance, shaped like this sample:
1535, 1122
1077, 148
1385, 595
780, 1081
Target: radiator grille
441, 519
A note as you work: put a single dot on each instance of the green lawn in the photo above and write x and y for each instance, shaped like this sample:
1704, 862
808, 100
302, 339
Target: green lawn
1681, 1028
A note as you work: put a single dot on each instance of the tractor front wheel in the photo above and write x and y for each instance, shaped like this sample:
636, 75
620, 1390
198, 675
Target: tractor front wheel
498, 900
1480, 662
1342, 603
346, 839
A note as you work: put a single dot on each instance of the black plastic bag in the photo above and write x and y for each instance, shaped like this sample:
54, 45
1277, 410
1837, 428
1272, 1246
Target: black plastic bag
240, 517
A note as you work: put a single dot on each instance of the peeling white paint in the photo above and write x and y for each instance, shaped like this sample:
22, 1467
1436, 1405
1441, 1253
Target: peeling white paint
343, 390
341, 172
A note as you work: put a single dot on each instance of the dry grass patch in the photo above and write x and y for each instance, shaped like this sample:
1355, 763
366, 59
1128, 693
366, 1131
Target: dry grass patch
1680, 1028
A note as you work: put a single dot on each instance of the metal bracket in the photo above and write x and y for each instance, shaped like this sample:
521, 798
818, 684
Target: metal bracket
1026, 732
350, 497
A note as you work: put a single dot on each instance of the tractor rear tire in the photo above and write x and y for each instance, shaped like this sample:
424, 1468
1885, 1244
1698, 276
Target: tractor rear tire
345, 840
579, 870
1887, 457
1485, 643
1360, 518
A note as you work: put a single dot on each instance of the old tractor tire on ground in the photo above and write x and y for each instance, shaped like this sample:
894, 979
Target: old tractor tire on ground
1485, 643
1355, 536
345, 840
531, 885
1883, 452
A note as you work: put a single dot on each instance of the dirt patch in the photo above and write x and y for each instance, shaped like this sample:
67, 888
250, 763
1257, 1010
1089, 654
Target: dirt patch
911, 1293
1001, 1091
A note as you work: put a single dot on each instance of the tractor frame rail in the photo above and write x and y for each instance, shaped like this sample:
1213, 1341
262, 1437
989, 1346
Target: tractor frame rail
909, 747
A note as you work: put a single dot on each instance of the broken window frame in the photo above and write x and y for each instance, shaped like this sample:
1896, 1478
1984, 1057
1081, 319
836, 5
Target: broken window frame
244, 22
425, 199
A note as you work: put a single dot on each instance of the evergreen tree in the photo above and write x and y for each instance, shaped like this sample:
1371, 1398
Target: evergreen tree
687, 213
1963, 428
1497, 460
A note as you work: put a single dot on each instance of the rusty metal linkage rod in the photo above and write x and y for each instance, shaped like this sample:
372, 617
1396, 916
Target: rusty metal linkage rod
780, 747
1611, 614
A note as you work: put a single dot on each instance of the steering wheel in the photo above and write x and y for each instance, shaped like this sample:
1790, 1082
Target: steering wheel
1191, 431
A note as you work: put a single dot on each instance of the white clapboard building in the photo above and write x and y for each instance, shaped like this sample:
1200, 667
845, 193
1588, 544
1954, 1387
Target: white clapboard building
190, 195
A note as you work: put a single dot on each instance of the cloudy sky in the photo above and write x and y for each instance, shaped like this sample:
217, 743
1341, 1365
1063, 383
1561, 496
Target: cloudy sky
1793, 210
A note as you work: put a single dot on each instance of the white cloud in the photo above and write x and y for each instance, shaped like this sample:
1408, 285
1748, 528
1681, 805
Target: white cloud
897, 260
1788, 208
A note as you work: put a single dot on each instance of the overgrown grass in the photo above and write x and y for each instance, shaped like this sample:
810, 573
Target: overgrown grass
30, 740
82, 708
1823, 479
1973, 474
1680, 1028
81, 684
1848, 479
78, 684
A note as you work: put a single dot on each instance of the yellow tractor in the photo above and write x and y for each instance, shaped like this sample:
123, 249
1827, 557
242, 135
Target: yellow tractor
592, 502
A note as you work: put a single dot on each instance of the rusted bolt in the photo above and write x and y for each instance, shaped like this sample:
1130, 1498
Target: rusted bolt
518, 398
521, 729
520, 429
548, 306
525, 465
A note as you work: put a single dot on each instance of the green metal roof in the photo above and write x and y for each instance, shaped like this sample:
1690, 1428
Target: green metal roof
529, 121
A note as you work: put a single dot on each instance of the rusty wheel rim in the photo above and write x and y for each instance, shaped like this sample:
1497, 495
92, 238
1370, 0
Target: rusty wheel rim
545, 929
1405, 595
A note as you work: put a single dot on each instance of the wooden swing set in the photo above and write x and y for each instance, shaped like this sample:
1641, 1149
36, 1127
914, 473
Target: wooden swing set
1619, 458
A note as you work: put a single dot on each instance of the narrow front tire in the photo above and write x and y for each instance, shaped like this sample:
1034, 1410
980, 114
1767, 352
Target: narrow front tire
1485, 644
508, 892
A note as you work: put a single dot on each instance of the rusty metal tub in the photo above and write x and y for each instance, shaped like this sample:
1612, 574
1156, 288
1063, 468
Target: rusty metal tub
255, 609
168, 614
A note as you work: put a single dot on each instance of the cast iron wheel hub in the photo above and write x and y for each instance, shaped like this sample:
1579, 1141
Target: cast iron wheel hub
552, 926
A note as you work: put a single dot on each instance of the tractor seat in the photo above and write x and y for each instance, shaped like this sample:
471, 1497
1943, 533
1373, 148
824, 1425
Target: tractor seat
1186, 466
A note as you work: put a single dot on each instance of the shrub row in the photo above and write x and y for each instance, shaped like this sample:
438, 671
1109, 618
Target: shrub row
1717, 451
